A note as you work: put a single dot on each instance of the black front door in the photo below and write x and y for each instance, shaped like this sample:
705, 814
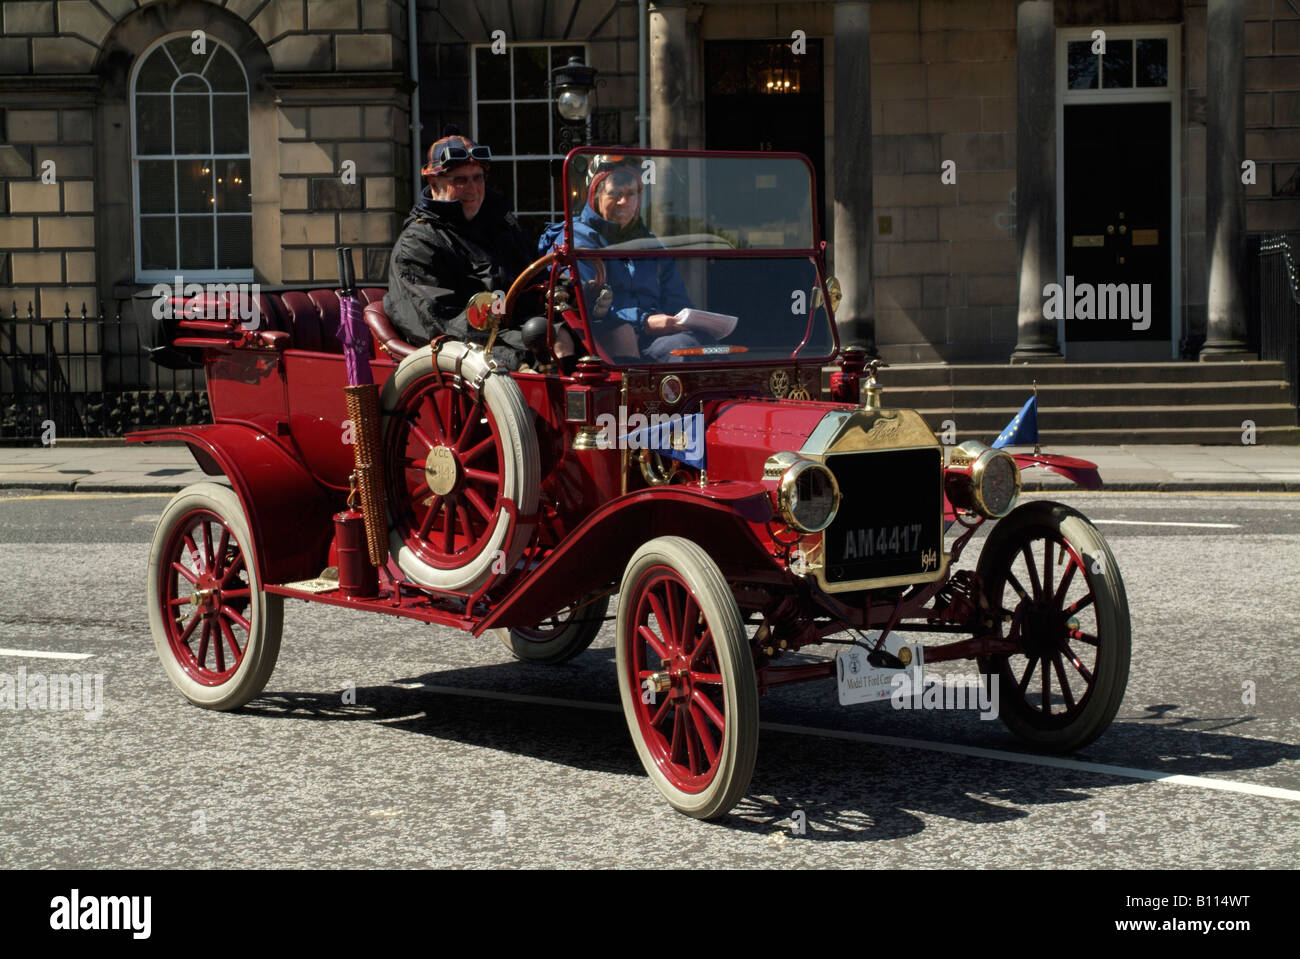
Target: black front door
761, 96
1117, 223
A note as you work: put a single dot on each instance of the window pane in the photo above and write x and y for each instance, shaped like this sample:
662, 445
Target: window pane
502, 179
193, 125
492, 70
234, 242
187, 61
531, 74
156, 74
1117, 64
530, 128
224, 73
233, 192
190, 84
1082, 65
153, 124
157, 243
194, 182
1153, 59
196, 243
230, 121
494, 127
534, 185
157, 187
560, 55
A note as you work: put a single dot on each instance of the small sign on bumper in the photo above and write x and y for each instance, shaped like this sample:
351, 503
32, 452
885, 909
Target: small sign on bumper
861, 682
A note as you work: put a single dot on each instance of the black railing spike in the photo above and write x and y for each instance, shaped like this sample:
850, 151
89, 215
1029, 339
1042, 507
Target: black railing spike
83, 309
13, 310
67, 310
31, 311
100, 317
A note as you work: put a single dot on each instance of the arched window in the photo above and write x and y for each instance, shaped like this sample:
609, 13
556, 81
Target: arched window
190, 163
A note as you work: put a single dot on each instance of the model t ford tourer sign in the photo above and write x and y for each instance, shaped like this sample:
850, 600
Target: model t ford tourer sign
738, 520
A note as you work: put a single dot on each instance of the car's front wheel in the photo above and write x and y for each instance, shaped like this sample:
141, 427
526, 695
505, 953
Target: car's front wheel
686, 677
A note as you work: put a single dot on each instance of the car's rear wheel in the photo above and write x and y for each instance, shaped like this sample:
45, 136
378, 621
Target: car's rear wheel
1051, 572
559, 637
216, 632
686, 677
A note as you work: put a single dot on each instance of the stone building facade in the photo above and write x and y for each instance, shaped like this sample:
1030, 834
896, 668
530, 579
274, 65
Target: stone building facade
1006, 97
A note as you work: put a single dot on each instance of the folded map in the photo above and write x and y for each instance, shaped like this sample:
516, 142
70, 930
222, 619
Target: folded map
717, 325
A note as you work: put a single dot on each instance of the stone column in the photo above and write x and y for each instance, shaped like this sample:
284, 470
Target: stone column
1036, 341
669, 121
1225, 197
853, 205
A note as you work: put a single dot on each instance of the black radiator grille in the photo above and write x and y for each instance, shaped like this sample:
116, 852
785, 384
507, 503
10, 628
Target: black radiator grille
889, 521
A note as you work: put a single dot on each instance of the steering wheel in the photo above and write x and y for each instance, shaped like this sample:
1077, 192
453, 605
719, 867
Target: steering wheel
525, 283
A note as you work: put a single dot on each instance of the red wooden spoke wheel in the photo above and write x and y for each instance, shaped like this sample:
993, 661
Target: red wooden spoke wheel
1048, 573
458, 443
217, 633
444, 498
686, 677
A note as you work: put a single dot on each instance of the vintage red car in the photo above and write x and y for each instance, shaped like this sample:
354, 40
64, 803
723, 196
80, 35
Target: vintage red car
738, 516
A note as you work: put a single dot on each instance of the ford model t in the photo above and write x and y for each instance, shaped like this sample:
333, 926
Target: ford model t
699, 474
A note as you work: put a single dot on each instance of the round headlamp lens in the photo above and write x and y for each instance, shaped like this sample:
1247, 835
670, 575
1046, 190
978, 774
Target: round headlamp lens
999, 484
810, 496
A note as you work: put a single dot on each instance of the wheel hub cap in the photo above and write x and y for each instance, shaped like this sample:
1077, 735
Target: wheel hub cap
441, 470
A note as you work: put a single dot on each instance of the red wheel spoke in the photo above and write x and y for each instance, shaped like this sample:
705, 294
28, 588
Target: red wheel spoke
463, 514
195, 555
1047, 686
705, 737
1060, 678
675, 746
483, 476
478, 503
673, 629
186, 573
1029, 671
659, 713
178, 601
714, 679
1015, 584
434, 506
220, 567
234, 617
690, 620
1047, 567
420, 435
1079, 604
692, 754
645, 633
477, 450
708, 708
1082, 637
703, 646
1074, 661
1033, 570
418, 491
449, 532
202, 655
236, 593
434, 418
471, 420
217, 648
1066, 577
665, 624
235, 651
189, 627
208, 559
235, 566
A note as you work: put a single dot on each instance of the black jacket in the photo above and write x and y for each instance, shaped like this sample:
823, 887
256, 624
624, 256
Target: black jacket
440, 260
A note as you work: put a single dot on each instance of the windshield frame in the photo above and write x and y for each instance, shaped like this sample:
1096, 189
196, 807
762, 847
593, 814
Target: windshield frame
570, 255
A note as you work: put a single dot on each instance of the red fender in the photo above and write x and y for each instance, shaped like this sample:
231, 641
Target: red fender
717, 517
1080, 472
288, 512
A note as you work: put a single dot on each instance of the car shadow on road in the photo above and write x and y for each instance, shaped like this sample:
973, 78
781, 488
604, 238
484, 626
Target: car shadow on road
831, 789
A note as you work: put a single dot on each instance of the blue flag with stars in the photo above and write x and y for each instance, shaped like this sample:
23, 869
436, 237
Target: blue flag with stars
1023, 430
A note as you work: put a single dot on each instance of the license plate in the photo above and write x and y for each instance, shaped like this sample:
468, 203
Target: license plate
861, 682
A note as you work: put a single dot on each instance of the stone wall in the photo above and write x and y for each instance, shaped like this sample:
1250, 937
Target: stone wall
1273, 114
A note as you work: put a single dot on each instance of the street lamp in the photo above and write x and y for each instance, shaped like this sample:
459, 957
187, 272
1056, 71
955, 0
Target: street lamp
573, 84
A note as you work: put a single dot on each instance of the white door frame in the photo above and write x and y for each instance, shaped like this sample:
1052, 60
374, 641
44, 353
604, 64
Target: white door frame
1171, 93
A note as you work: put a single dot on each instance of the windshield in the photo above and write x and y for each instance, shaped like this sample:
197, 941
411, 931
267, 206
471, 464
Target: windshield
697, 258
755, 202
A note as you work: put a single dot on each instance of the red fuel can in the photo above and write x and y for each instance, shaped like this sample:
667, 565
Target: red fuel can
357, 578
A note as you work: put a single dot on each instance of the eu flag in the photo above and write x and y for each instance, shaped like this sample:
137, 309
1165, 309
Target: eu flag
1023, 430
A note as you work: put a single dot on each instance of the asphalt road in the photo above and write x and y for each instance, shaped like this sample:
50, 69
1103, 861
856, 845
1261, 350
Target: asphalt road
453, 754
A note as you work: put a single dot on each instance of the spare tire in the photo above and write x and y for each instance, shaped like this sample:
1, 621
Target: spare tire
458, 441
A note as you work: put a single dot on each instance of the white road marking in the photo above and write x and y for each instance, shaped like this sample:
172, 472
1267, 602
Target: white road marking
43, 654
1152, 522
1054, 762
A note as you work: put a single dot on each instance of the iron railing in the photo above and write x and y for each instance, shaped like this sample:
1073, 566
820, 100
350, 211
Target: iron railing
1279, 305
87, 376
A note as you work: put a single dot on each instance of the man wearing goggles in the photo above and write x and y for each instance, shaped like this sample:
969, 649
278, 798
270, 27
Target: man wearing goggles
459, 239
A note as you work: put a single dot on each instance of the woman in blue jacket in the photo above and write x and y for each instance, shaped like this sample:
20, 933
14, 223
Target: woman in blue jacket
645, 292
